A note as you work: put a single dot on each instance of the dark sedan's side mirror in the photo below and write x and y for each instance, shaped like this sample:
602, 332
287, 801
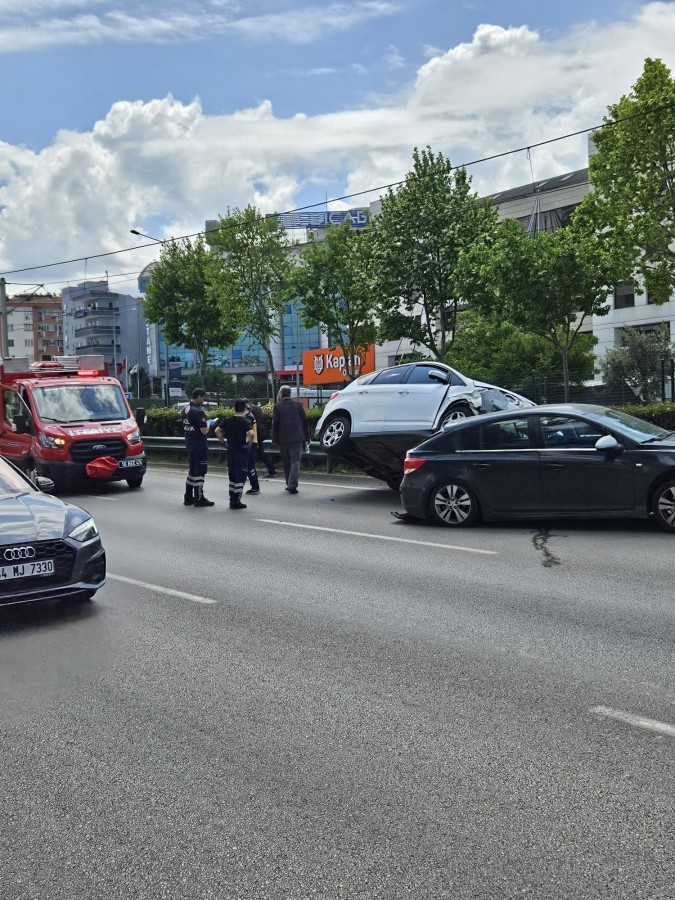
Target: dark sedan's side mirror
46, 485
607, 442
140, 416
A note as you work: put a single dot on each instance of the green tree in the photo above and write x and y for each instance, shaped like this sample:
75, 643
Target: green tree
332, 286
491, 349
250, 279
545, 285
637, 362
419, 238
179, 299
213, 380
632, 206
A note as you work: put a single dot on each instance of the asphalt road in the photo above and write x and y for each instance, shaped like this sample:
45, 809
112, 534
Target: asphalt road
311, 699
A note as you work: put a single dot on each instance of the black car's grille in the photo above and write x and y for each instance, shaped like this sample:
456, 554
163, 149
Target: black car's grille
85, 451
62, 554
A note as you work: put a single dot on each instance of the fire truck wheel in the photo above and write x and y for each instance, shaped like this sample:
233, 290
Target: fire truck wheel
135, 482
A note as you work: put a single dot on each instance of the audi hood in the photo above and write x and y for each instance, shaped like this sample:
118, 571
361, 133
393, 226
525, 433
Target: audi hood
34, 516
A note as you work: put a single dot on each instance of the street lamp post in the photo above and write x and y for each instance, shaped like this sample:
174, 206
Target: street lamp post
166, 343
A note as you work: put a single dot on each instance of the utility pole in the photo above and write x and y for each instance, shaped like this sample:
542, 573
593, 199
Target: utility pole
4, 342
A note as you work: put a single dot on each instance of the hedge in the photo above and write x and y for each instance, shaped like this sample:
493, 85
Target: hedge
168, 422
661, 414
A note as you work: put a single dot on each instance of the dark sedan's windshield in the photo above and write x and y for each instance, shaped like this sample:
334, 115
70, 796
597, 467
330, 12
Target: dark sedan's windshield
629, 426
11, 481
80, 403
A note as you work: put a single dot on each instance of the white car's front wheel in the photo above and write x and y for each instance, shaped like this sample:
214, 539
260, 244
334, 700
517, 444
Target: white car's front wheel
456, 413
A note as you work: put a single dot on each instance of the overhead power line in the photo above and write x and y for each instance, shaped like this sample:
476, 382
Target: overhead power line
608, 123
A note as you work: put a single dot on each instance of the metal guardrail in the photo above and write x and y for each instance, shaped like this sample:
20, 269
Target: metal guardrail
177, 445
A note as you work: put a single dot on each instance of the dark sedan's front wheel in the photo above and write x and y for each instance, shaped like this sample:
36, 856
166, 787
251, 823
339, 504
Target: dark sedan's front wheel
663, 506
454, 505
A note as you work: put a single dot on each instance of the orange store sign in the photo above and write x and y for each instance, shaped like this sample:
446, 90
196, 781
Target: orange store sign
328, 365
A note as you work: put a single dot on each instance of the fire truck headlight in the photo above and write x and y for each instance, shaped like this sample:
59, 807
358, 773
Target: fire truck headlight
134, 437
49, 442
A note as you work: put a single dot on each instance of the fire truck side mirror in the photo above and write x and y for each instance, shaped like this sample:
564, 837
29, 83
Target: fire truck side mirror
22, 425
140, 416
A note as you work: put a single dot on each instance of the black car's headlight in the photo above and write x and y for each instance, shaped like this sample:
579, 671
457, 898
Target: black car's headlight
84, 532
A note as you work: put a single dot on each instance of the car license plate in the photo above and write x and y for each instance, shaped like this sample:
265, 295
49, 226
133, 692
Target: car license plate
130, 463
27, 569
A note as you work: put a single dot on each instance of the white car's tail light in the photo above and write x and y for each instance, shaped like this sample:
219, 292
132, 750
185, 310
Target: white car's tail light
334, 395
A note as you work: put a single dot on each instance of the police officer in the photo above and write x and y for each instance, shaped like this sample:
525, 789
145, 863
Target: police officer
196, 429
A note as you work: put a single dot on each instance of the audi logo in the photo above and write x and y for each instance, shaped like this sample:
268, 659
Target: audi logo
14, 553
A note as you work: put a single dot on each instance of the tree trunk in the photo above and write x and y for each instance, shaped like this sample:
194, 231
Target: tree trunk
566, 371
272, 371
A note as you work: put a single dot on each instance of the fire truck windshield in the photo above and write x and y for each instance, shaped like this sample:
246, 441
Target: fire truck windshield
80, 403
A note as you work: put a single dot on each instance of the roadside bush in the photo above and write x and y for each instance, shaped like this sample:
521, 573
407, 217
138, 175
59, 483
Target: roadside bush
661, 414
168, 422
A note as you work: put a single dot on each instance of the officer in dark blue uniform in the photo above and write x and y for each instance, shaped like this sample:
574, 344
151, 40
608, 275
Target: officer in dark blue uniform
196, 430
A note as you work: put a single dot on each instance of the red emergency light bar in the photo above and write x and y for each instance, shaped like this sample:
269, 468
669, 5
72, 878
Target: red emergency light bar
13, 369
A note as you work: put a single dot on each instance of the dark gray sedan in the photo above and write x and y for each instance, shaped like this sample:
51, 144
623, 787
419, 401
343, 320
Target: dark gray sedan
49, 549
561, 461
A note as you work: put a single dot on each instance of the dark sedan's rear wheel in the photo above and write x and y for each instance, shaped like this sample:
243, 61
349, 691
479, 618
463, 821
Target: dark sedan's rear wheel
135, 482
456, 412
454, 505
335, 436
663, 506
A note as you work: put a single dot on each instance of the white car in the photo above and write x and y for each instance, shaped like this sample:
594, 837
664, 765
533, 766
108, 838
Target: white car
375, 419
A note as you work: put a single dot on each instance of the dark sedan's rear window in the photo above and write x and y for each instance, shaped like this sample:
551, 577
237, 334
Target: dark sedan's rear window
509, 435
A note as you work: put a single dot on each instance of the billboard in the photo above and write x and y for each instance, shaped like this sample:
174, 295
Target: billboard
329, 365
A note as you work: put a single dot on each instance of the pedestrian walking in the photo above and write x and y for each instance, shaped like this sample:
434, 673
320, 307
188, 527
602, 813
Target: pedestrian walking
290, 431
252, 451
261, 435
237, 431
196, 429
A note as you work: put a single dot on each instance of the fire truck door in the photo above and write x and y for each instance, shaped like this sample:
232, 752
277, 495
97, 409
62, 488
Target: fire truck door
14, 444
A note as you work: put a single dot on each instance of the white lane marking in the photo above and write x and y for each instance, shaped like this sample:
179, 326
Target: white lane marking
379, 537
161, 589
636, 721
98, 497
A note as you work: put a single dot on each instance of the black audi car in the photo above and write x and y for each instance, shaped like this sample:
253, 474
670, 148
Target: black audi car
571, 460
49, 550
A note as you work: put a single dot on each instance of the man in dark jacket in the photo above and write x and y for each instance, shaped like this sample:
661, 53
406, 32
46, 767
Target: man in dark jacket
237, 431
290, 431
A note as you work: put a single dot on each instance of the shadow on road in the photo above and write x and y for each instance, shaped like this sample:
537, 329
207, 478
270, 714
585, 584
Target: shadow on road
49, 614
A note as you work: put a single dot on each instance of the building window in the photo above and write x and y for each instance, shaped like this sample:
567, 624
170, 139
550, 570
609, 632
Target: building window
624, 296
10, 343
27, 327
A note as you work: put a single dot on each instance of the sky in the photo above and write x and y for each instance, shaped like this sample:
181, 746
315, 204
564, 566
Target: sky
158, 115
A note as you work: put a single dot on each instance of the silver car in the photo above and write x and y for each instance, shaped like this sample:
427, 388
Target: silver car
375, 419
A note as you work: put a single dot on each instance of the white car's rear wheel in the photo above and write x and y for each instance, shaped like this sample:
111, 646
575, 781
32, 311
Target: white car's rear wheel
335, 435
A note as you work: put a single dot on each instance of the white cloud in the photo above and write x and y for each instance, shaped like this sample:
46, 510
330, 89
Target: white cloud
393, 58
167, 166
29, 25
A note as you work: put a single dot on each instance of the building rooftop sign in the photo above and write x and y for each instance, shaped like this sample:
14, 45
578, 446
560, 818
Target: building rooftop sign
358, 217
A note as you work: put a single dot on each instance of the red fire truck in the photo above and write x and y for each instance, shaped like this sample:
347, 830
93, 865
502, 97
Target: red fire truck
67, 419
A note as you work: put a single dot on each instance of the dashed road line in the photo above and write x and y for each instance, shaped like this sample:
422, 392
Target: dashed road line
161, 589
380, 537
636, 721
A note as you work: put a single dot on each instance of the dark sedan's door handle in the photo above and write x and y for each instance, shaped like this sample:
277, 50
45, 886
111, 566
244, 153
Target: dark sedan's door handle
481, 466
554, 465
